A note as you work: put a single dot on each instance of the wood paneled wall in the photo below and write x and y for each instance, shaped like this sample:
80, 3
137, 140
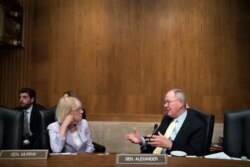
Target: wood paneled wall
121, 56
15, 66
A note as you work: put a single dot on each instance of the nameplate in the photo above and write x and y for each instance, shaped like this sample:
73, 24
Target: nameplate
140, 159
23, 154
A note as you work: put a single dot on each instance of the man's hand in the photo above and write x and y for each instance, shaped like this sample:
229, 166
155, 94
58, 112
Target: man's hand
160, 141
26, 142
134, 137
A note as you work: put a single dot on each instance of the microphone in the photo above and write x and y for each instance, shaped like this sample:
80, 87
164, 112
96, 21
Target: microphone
154, 130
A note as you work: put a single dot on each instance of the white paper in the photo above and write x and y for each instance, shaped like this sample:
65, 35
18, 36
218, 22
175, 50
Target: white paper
220, 155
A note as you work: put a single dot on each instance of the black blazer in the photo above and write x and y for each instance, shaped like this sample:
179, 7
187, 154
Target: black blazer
190, 137
34, 125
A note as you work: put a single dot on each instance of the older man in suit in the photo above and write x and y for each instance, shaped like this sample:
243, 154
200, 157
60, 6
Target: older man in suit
179, 129
31, 131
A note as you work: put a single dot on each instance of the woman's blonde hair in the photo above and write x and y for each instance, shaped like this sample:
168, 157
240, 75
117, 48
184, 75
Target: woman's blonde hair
64, 107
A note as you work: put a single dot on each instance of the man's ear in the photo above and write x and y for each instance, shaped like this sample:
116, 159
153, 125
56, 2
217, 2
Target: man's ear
32, 99
181, 104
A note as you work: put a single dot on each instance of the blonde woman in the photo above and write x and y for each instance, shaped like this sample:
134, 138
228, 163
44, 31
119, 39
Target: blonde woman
70, 133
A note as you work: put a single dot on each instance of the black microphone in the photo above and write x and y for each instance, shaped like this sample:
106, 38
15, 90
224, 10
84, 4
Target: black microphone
154, 130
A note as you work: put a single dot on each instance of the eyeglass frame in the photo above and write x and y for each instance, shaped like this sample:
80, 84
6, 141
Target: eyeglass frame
169, 101
79, 110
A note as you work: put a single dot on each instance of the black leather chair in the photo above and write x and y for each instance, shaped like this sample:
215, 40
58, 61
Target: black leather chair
237, 133
208, 119
11, 129
47, 117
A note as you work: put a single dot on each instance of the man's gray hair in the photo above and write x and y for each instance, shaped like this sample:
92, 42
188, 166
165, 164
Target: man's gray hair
179, 94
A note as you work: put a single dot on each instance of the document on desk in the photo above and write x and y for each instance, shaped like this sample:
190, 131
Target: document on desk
220, 155
63, 154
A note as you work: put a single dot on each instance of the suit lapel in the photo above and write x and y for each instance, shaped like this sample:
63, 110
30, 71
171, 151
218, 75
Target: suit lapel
32, 118
164, 124
81, 134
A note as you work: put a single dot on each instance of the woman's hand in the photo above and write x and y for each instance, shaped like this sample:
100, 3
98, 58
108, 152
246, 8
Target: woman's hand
67, 120
65, 124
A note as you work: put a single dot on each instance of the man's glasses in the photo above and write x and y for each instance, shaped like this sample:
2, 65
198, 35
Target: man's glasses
169, 101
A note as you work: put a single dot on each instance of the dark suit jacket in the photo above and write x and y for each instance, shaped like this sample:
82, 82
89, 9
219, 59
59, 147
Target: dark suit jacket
190, 137
34, 125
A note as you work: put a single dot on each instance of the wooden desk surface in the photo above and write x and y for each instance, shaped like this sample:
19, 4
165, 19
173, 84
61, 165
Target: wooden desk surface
95, 160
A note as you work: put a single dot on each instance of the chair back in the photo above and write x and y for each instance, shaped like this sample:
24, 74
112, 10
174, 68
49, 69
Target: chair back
11, 128
47, 117
237, 133
208, 120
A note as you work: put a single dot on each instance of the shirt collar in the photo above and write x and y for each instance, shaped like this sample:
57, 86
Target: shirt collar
29, 109
182, 117
79, 124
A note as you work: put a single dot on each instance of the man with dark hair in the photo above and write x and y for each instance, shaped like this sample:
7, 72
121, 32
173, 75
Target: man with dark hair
31, 130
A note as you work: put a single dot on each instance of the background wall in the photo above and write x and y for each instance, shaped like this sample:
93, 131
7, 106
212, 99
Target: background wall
111, 134
121, 56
